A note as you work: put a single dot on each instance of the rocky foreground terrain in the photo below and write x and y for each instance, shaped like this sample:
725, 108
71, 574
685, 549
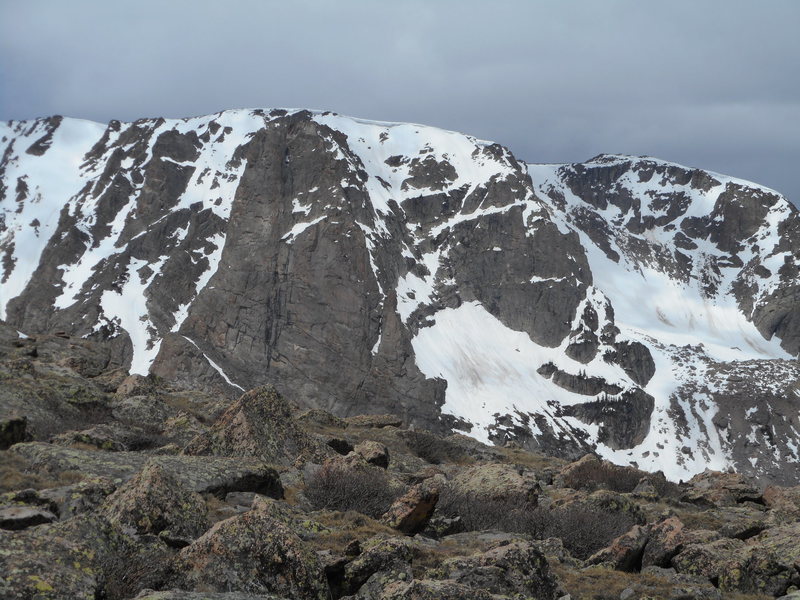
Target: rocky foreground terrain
120, 486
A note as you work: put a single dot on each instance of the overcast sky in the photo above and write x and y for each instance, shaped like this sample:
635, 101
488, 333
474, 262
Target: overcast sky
707, 83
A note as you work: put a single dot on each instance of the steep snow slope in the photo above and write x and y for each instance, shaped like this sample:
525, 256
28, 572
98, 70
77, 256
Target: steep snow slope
44, 179
635, 307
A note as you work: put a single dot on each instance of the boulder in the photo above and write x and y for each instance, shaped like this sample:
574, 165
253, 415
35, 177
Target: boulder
681, 585
711, 560
783, 502
497, 481
319, 419
256, 552
158, 503
410, 512
590, 472
182, 428
29, 497
374, 453
425, 589
82, 558
145, 411
259, 424
79, 498
22, 517
740, 522
184, 595
212, 474
389, 557
665, 540
645, 490
514, 569
713, 488
613, 502
110, 438
771, 564
625, 552
138, 385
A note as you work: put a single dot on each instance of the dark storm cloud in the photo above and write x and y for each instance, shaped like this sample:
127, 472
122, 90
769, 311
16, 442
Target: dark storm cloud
707, 83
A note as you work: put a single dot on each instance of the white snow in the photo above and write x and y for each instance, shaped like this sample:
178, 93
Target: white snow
491, 369
214, 365
649, 302
128, 309
52, 180
299, 228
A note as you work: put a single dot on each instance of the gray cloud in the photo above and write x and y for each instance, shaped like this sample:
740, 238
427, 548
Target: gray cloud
711, 84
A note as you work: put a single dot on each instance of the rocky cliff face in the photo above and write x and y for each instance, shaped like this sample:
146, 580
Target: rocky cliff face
627, 305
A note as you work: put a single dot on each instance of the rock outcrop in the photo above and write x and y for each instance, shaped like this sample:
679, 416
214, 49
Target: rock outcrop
260, 425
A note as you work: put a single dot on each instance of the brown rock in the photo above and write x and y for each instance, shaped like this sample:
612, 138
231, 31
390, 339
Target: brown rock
713, 488
256, 552
625, 552
21, 517
411, 511
666, 539
258, 424
156, 502
374, 453
784, 502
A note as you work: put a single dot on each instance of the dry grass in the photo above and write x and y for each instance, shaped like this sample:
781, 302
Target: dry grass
700, 519
531, 460
291, 494
427, 560
598, 583
218, 510
434, 449
15, 475
344, 527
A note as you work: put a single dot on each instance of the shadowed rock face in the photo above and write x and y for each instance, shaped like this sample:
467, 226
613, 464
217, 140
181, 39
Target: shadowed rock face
374, 268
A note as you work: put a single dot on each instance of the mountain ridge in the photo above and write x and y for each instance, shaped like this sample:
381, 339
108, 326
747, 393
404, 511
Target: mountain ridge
336, 257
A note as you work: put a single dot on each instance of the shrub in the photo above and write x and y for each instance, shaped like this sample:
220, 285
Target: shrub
595, 474
432, 448
479, 512
583, 530
368, 491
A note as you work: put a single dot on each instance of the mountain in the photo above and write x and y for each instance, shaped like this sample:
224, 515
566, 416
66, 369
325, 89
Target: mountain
636, 308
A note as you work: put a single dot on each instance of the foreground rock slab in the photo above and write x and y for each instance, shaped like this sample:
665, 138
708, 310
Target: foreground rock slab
202, 474
254, 552
156, 502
